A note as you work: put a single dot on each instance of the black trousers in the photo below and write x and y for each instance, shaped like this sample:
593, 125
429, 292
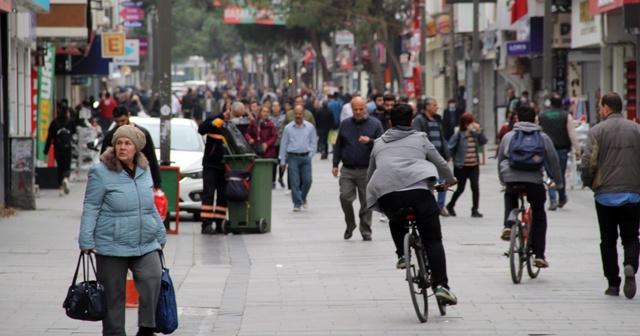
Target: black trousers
213, 184
63, 161
462, 175
611, 219
536, 196
323, 143
427, 218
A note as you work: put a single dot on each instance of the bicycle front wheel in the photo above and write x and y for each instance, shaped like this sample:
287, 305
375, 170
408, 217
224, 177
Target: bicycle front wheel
516, 249
416, 278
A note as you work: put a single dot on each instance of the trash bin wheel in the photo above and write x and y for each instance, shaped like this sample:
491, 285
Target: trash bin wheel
262, 225
226, 227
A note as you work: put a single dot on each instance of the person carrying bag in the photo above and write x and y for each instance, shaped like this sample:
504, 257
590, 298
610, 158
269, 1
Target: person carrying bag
85, 301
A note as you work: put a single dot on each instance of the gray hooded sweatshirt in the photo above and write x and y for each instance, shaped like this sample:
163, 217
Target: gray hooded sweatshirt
508, 174
402, 157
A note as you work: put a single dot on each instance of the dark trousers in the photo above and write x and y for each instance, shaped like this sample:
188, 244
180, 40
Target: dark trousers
213, 184
112, 274
323, 142
462, 175
536, 196
611, 219
427, 219
63, 161
280, 169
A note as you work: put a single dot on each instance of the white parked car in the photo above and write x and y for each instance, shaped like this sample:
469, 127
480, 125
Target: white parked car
187, 149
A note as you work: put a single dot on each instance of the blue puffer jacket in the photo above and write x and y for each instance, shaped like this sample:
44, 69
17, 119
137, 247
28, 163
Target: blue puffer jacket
119, 218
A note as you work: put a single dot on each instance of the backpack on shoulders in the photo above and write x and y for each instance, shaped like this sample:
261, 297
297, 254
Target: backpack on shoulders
526, 151
63, 139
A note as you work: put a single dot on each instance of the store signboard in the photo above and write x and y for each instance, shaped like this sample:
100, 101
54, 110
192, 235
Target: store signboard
603, 6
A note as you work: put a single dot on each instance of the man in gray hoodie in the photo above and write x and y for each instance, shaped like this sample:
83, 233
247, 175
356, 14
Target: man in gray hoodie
398, 177
532, 181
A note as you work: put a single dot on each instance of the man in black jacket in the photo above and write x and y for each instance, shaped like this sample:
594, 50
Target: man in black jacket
324, 121
382, 112
353, 147
121, 117
61, 128
451, 119
431, 123
213, 171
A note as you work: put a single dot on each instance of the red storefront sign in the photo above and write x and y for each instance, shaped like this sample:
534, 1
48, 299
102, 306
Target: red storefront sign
603, 6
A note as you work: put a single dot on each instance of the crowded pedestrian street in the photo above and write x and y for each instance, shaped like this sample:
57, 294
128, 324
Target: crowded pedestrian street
303, 278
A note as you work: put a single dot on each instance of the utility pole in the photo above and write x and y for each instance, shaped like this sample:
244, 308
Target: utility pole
547, 57
163, 57
423, 49
453, 76
475, 61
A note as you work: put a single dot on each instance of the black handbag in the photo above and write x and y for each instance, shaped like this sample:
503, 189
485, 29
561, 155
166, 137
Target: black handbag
86, 300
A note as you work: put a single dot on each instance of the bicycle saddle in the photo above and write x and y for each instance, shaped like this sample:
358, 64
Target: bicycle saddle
519, 187
406, 211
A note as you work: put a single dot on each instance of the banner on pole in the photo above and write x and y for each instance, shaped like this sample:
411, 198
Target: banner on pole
46, 100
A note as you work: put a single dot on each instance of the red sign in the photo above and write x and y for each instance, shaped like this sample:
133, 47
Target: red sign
603, 6
132, 13
34, 102
5, 6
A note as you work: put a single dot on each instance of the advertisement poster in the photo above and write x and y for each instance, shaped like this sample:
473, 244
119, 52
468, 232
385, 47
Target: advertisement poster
34, 102
46, 103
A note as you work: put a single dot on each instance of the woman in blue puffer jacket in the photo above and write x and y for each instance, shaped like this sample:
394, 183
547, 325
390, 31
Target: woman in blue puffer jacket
122, 226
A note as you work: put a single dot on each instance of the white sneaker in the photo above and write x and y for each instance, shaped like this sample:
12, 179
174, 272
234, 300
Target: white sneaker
62, 193
65, 185
305, 205
296, 209
287, 192
383, 218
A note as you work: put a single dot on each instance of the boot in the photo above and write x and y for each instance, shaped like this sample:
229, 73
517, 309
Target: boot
146, 331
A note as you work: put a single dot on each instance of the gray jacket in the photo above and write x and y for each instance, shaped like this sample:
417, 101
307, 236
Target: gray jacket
611, 162
402, 157
508, 174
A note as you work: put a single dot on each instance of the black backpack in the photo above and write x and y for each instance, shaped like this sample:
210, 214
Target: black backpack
63, 139
237, 188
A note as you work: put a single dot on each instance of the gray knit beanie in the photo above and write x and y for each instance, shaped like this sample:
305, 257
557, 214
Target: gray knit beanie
130, 132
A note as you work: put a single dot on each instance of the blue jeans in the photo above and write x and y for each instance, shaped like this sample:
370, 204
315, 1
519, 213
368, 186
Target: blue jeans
563, 156
299, 170
442, 196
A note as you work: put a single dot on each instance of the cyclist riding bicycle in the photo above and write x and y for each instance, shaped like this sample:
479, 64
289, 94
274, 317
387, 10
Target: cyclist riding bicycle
531, 179
403, 170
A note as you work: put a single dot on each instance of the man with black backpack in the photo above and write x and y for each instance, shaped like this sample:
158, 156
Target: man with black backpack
60, 132
523, 154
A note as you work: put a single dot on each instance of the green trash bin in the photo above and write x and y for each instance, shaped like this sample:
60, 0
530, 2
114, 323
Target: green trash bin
255, 214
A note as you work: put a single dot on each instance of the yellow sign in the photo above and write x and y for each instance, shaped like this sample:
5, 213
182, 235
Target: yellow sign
113, 45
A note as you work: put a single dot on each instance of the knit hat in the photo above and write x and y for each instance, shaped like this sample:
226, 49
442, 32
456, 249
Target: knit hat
132, 133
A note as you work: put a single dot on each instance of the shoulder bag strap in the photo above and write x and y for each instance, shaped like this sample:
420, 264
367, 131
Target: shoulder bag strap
75, 275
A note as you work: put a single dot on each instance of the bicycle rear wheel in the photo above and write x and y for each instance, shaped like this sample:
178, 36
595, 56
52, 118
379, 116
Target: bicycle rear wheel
531, 268
516, 249
416, 278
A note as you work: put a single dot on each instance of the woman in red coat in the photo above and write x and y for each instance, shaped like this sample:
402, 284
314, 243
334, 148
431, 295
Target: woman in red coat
263, 131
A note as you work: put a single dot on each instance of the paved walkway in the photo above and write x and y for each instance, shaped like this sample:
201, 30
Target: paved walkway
304, 279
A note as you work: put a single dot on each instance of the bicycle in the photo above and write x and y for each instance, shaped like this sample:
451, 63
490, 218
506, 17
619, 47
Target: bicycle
418, 271
520, 248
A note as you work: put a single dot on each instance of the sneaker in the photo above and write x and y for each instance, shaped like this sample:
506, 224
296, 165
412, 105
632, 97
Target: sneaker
305, 205
476, 214
506, 234
629, 282
452, 212
445, 296
383, 218
281, 183
296, 209
65, 185
553, 205
61, 193
287, 192
443, 212
366, 237
612, 291
208, 229
540, 263
401, 263
562, 203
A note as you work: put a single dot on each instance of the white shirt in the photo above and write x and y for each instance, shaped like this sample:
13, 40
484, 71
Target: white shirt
346, 112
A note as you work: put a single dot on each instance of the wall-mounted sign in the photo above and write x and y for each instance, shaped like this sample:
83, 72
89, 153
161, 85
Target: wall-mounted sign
132, 13
603, 6
344, 37
112, 45
132, 53
519, 48
443, 24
